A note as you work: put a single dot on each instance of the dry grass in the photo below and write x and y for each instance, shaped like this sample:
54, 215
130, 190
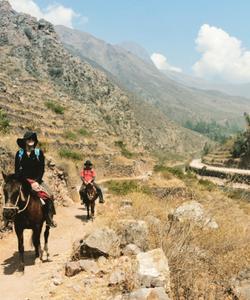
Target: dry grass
202, 261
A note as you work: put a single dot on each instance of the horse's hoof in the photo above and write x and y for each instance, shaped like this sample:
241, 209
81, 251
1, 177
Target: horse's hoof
38, 261
21, 268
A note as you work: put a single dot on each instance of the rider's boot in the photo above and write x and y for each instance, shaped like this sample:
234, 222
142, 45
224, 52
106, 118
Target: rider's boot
49, 212
101, 200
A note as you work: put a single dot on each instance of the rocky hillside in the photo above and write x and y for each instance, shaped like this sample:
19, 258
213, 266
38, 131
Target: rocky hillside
69, 102
178, 102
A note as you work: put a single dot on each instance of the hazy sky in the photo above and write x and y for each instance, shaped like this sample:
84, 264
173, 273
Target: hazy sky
169, 29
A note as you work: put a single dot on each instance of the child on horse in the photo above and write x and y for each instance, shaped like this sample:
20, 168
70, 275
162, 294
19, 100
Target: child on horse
30, 164
88, 176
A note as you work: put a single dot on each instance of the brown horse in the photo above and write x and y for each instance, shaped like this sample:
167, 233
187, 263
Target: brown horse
89, 199
24, 207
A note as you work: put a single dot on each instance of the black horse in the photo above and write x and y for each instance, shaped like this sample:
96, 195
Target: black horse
24, 207
89, 195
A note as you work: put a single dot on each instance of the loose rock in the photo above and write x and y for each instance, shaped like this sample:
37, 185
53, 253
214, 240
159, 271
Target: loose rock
89, 266
153, 269
101, 242
72, 268
134, 232
194, 211
241, 285
130, 250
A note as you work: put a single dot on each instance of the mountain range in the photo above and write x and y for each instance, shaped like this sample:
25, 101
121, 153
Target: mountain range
138, 75
36, 70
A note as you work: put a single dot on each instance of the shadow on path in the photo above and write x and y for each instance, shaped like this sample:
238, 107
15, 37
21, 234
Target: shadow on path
10, 264
82, 217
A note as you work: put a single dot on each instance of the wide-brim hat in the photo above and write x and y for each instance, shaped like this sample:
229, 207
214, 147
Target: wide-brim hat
88, 163
29, 135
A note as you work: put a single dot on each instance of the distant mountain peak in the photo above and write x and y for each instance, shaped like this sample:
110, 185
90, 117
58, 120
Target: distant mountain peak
136, 49
5, 6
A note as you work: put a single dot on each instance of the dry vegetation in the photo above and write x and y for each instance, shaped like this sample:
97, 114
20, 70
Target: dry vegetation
202, 261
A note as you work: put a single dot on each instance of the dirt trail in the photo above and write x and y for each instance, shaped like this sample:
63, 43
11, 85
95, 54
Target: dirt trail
34, 282
196, 163
37, 278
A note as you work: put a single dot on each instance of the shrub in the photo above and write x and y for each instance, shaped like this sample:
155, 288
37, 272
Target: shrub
240, 145
206, 149
166, 170
70, 154
4, 122
56, 72
84, 132
207, 184
70, 135
123, 187
124, 151
55, 107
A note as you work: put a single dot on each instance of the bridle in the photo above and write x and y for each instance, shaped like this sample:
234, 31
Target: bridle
92, 193
16, 207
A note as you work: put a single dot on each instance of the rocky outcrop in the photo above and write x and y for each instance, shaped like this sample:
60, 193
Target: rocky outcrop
6, 165
101, 242
241, 285
133, 232
37, 68
194, 212
153, 269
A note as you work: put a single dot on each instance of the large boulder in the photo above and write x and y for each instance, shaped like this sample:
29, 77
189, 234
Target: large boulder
134, 232
153, 269
101, 242
193, 211
241, 285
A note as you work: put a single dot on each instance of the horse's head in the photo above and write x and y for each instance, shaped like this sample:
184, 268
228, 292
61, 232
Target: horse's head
11, 189
91, 191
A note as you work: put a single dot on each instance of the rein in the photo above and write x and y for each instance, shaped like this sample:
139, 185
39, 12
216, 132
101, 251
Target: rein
20, 196
92, 194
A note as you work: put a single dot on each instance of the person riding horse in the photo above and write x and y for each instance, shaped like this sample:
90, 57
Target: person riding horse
30, 165
88, 176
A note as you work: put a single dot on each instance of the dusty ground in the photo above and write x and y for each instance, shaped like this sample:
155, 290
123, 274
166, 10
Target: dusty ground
34, 282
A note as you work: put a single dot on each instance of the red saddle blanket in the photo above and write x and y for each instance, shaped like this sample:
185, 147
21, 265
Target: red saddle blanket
41, 192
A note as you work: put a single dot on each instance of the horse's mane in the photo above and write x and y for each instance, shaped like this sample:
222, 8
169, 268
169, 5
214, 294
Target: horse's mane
26, 187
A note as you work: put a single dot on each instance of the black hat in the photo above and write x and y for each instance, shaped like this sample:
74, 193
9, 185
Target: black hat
88, 163
29, 135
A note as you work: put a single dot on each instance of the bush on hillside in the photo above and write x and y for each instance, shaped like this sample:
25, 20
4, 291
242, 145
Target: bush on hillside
241, 145
123, 187
55, 107
213, 130
169, 170
124, 151
84, 132
70, 154
70, 135
56, 72
4, 122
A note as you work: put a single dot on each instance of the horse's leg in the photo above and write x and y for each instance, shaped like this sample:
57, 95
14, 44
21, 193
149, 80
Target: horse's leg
87, 203
92, 209
36, 241
19, 233
46, 237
